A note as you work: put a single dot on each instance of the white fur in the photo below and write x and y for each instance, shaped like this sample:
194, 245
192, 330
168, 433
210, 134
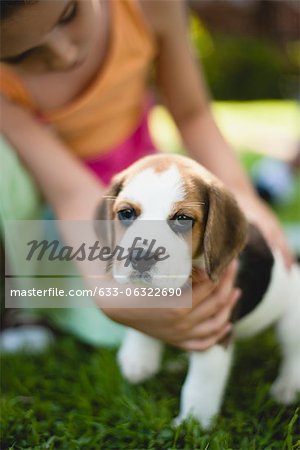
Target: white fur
203, 389
145, 189
140, 356
201, 397
287, 385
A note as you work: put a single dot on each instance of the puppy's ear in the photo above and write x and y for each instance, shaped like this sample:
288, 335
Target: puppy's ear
225, 233
103, 216
104, 210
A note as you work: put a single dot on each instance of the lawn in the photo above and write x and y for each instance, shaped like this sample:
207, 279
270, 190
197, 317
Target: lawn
73, 397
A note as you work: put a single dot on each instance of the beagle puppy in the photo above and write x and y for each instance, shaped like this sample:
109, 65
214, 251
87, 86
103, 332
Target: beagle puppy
204, 221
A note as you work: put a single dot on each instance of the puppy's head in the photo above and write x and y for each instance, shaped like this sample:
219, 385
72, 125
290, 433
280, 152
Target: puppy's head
170, 202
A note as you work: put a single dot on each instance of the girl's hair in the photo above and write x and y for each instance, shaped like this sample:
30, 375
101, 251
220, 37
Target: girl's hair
8, 7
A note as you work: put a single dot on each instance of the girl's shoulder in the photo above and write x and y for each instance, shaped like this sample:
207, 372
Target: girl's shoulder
162, 16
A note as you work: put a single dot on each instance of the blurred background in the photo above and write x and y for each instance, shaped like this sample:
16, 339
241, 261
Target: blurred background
249, 51
250, 48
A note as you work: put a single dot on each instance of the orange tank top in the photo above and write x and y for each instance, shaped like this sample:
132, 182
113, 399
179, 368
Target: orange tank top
110, 108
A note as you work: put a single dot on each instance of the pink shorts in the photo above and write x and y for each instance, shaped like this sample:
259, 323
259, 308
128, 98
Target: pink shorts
138, 145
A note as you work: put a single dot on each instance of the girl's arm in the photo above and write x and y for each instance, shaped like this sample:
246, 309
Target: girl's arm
187, 98
71, 190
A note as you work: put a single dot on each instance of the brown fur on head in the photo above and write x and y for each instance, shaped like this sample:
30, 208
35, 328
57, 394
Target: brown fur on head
220, 228
225, 231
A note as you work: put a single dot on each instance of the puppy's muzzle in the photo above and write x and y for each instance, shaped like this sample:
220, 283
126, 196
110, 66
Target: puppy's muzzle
141, 260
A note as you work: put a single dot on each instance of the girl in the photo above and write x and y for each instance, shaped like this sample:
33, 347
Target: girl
74, 85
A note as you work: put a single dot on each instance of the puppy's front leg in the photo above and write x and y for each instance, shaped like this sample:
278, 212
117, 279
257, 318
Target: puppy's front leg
139, 356
203, 389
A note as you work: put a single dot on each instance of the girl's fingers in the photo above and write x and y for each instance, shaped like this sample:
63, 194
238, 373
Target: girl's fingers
221, 296
201, 291
212, 326
206, 343
211, 306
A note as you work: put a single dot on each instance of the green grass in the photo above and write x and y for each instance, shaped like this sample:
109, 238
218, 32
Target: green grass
73, 397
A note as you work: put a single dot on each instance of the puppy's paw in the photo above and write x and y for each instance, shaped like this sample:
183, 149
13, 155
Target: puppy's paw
140, 364
204, 422
178, 421
136, 371
285, 389
195, 412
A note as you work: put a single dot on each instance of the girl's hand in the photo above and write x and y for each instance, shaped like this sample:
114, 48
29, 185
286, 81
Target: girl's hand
196, 328
259, 213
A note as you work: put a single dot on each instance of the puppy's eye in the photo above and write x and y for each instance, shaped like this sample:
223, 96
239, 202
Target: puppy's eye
127, 216
181, 223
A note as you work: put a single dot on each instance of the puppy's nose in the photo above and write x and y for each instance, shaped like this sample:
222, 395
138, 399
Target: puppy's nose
141, 260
